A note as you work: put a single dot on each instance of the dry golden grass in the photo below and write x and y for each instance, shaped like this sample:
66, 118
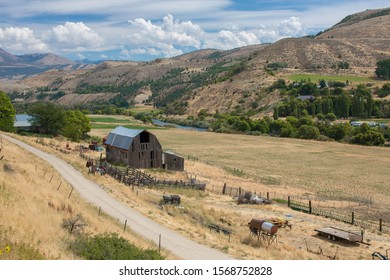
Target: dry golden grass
199, 209
32, 209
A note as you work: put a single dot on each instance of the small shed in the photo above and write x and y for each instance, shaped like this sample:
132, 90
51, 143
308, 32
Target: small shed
171, 161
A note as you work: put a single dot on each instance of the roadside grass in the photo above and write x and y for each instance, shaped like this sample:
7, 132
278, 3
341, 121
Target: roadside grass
34, 202
316, 78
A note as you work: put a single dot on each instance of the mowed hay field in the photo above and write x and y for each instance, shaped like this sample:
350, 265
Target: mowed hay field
34, 202
329, 171
350, 177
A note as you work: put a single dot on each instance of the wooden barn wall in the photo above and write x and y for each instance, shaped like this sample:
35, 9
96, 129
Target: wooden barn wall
145, 155
173, 162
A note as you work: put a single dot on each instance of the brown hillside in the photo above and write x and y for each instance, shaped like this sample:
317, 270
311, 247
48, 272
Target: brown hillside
361, 40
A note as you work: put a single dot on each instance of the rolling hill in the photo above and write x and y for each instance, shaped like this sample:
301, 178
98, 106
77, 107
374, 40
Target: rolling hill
214, 80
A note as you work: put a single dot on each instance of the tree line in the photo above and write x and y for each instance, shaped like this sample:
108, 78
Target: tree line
47, 118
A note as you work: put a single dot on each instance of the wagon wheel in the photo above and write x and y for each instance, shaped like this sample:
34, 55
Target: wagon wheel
330, 237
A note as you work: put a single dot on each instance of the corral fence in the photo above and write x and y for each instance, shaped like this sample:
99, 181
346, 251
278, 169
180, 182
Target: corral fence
135, 177
309, 208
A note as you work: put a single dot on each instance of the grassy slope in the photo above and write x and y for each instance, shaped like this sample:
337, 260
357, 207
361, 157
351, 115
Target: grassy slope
32, 209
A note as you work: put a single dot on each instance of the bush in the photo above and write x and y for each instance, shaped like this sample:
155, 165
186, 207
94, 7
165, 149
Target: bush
308, 132
370, 138
110, 247
383, 69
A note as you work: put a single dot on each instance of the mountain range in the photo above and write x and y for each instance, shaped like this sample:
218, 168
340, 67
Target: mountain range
213, 80
19, 66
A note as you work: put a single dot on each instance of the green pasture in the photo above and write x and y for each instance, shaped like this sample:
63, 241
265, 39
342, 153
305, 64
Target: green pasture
335, 78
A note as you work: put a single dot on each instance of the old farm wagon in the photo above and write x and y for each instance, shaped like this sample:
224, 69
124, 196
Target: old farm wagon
139, 149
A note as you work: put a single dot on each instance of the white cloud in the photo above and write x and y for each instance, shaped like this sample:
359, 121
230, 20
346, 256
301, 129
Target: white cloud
226, 39
74, 36
291, 27
165, 39
171, 36
21, 40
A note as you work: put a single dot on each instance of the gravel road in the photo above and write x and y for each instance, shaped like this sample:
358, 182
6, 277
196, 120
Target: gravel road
179, 245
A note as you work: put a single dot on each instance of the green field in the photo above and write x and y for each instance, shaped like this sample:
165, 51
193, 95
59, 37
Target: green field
109, 122
112, 126
316, 78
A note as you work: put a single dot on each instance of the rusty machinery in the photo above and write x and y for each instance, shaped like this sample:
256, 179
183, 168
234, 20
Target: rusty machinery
377, 255
263, 230
266, 229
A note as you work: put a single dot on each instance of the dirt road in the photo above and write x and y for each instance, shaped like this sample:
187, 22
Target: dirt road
181, 246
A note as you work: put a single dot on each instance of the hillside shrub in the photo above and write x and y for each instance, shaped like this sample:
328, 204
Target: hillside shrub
383, 69
110, 247
277, 65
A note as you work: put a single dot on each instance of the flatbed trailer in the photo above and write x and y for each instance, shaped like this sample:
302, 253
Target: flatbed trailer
340, 234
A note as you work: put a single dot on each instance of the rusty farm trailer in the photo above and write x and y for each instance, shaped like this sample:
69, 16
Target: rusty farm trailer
334, 234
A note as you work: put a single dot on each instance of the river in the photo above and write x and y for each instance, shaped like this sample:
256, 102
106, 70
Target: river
162, 123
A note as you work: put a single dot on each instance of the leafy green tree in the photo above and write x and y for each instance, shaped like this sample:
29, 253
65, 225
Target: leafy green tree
7, 113
48, 118
276, 112
306, 121
261, 126
331, 117
281, 128
338, 131
308, 132
369, 138
293, 121
76, 125
383, 69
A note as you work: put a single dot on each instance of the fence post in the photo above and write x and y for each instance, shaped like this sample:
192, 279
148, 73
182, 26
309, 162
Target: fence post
353, 218
124, 228
268, 195
224, 188
310, 209
380, 225
289, 201
70, 193
159, 243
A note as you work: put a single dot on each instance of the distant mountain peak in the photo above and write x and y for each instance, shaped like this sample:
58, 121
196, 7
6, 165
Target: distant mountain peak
31, 64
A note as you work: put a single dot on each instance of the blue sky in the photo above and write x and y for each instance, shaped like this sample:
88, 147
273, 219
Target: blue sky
148, 29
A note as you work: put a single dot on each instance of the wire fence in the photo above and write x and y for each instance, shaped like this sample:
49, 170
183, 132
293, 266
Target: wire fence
307, 206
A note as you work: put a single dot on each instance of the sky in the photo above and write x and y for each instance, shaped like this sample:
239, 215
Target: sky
142, 30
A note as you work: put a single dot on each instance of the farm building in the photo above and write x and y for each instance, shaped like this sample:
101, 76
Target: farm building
139, 149
172, 161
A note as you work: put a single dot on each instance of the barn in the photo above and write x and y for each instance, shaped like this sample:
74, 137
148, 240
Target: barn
139, 149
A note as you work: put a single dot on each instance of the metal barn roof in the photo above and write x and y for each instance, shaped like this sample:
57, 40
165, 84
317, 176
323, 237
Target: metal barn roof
122, 137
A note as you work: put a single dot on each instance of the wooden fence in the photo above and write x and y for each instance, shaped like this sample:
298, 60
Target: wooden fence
350, 219
135, 177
